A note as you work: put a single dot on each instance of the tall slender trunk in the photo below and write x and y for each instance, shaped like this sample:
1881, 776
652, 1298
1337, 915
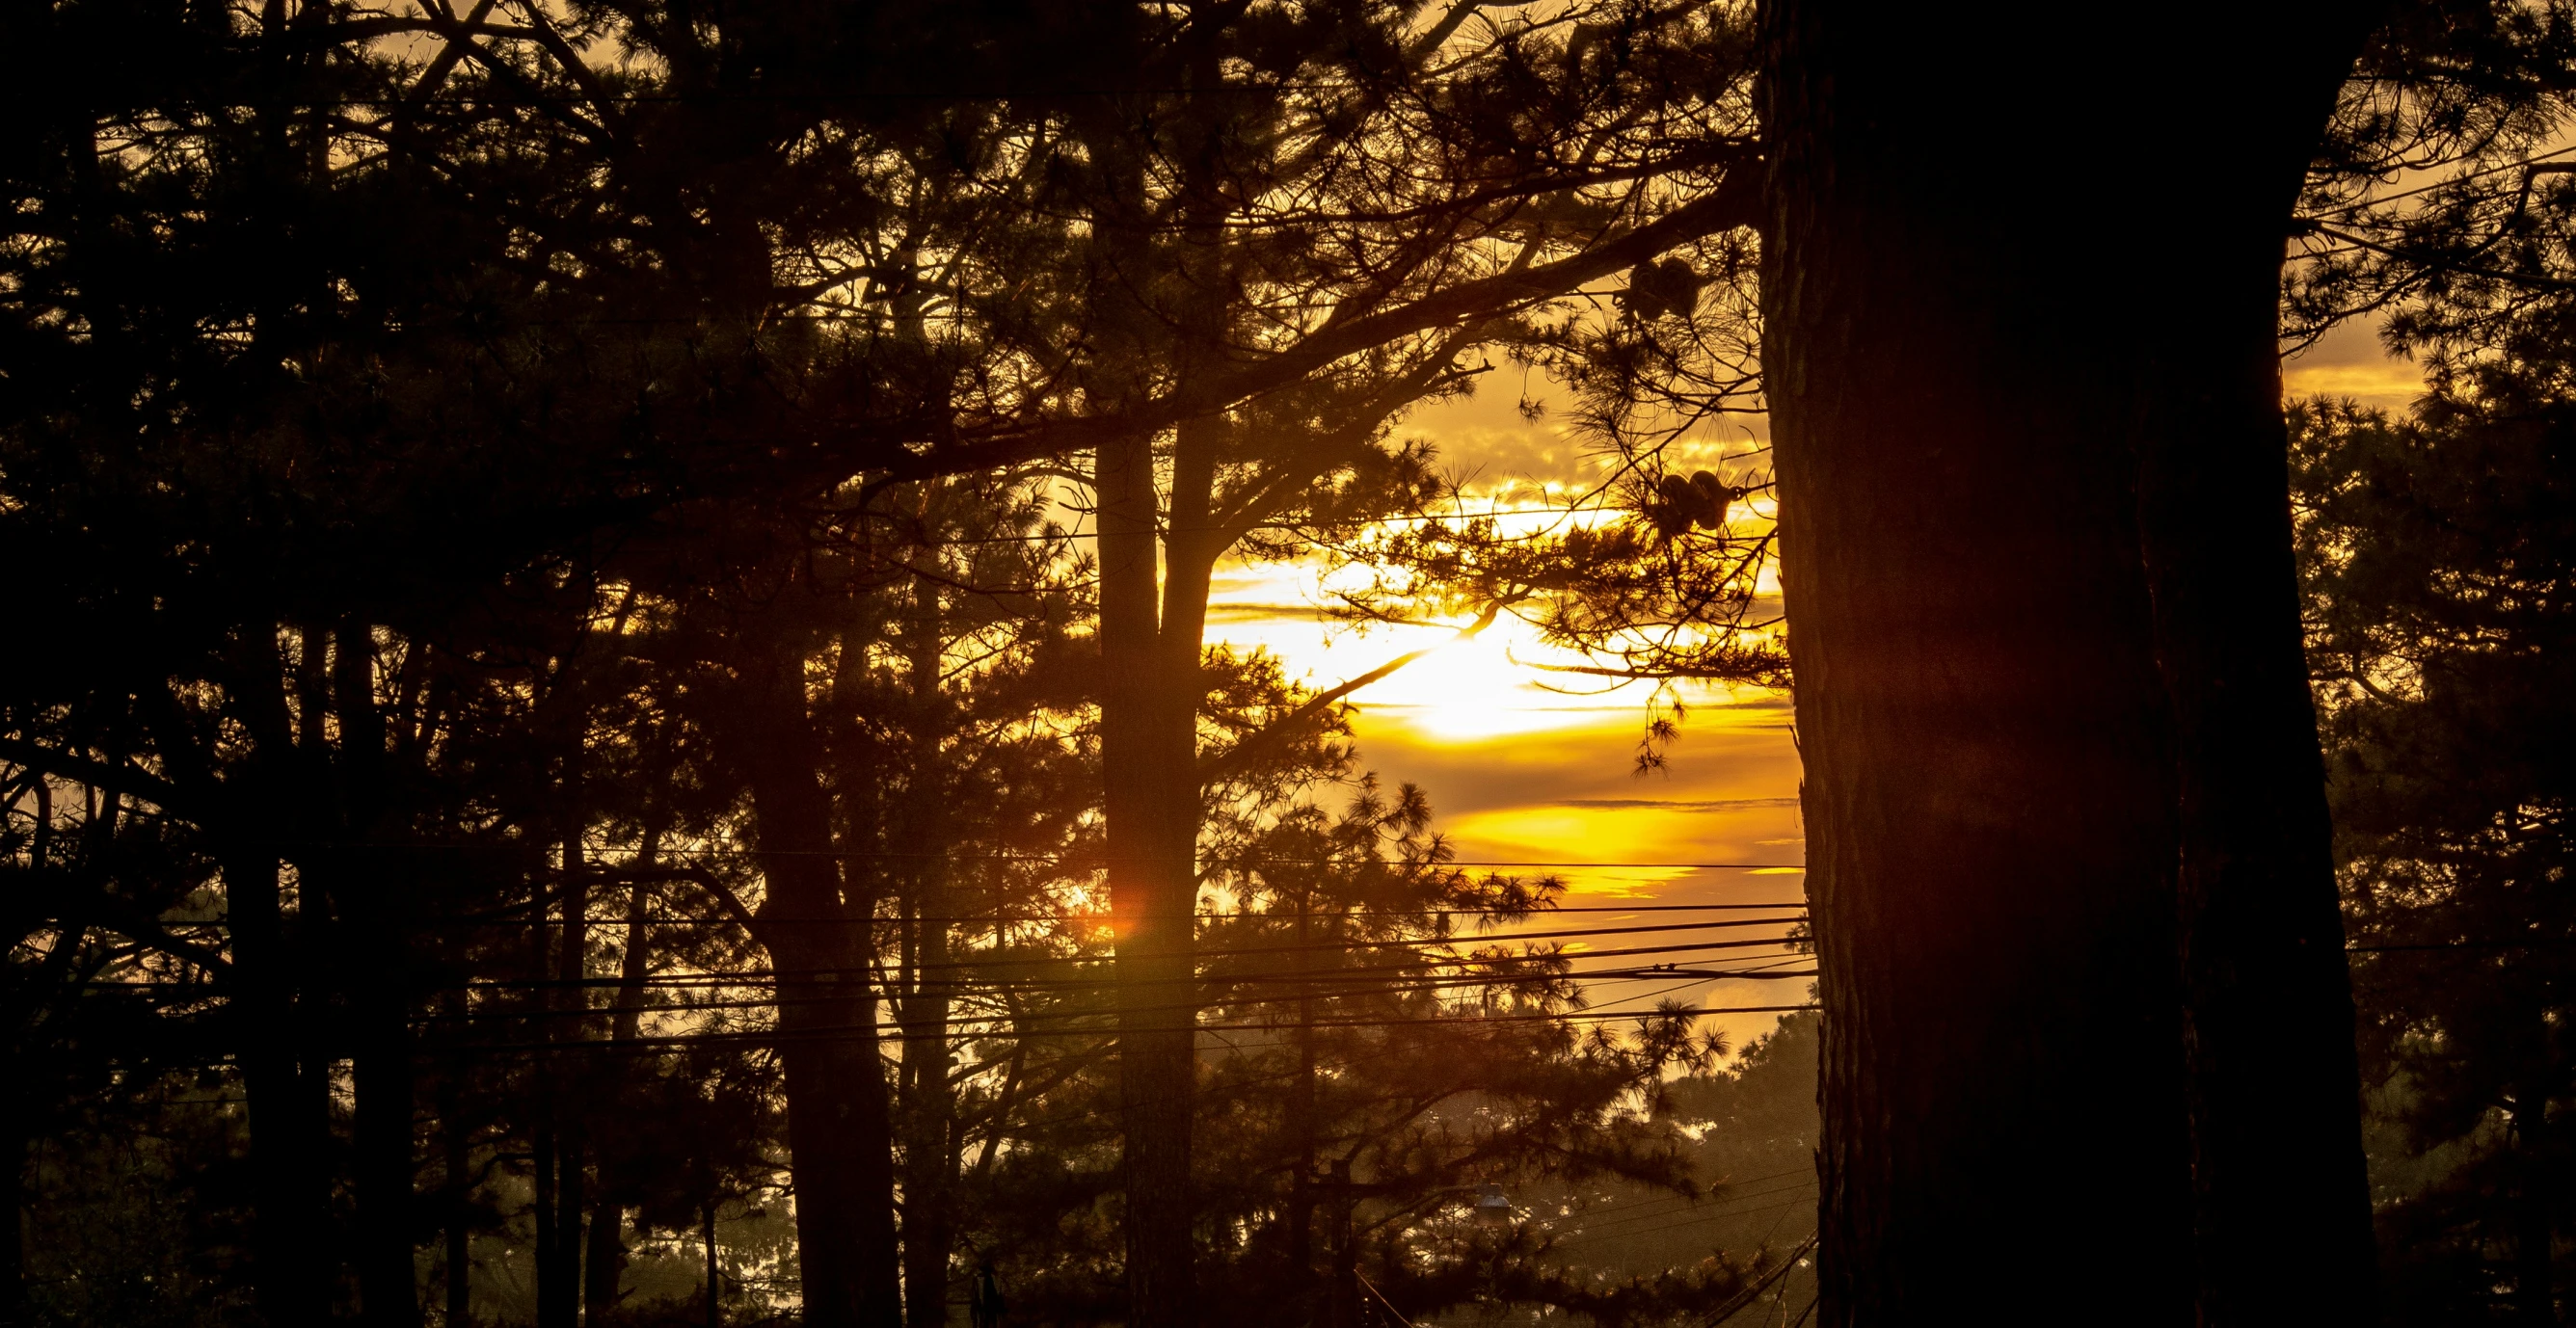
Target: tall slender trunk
2009, 686
545, 1110
18, 1142
456, 1146
1300, 1252
605, 1265
571, 1190
715, 1283
838, 1120
929, 1107
559, 1280
367, 887
542, 1149
1342, 1298
289, 1196
604, 1260
382, 1138
929, 1151
289, 1116
2535, 1218
1148, 757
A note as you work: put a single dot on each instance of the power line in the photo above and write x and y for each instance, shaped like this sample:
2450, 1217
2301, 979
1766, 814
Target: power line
525, 100
1693, 978
748, 976
1665, 1201
865, 1032
1104, 919
1754, 1292
2445, 183
1347, 978
2528, 943
607, 872
1659, 1223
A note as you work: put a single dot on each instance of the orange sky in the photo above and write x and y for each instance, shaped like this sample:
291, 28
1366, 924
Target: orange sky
1519, 773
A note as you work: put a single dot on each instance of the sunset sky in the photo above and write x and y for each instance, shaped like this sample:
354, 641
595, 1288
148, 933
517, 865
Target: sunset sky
1519, 773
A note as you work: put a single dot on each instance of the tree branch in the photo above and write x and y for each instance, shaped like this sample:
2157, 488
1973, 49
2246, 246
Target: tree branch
1735, 202
123, 778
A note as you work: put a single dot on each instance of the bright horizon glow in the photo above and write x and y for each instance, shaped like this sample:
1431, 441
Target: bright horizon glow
1521, 774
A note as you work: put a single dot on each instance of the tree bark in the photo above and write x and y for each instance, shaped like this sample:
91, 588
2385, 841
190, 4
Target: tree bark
1148, 757
2014, 700
456, 1146
930, 1164
2281, 1198
1300, 1234
542, 1091
838, 1127
715, 1280
929, 1106
604, 1267
2535, 1220
19, 1140
559, 1267
603, 1263
285, 1074
290, 1198
368, 890
381, 1129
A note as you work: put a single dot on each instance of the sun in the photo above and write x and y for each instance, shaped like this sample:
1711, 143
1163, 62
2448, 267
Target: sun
1493, 685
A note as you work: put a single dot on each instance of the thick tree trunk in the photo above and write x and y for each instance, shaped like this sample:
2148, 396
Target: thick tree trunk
2281, 1199
838, 1128
2274, 1079
1967, 323
1148, 756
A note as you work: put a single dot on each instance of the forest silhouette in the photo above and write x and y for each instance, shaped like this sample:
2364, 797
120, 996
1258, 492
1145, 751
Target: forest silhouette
617, 713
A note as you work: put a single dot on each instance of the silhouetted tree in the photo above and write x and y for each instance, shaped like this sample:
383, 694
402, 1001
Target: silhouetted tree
2437, 549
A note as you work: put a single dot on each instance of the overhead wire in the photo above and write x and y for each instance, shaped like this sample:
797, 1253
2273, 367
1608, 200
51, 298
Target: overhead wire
608, 873
877, 1031
746, 977
1654, 1224
2446, 182
1345, 992
1104, 919
1754, 1292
